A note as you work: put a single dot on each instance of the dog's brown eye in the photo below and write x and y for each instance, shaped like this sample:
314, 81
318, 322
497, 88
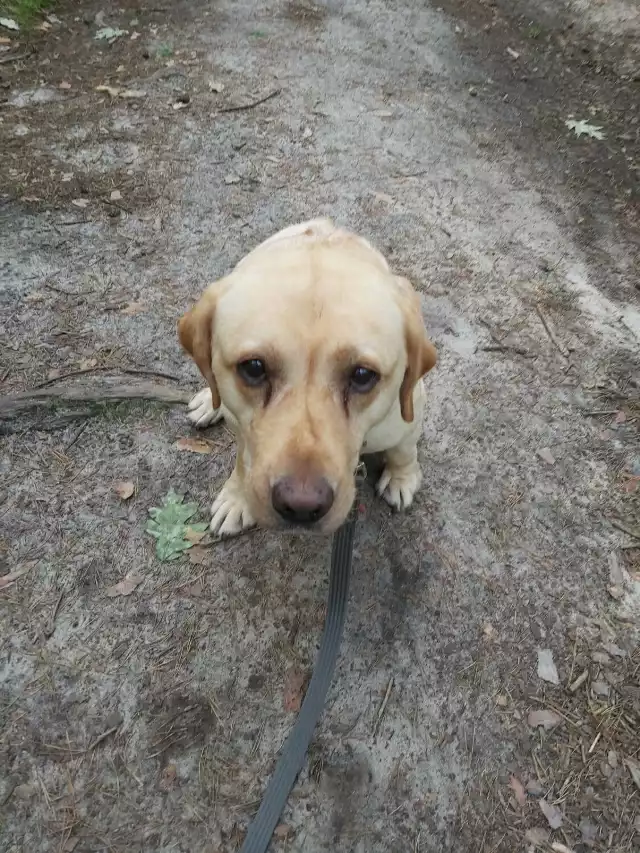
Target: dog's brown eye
363, 379
253, 371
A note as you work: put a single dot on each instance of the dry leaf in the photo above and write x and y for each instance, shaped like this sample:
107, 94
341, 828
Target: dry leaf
80, 202
125, 587
294, 683
133, 308
116, 195
215, 86
64, 85
614, 650
502, 700
197, 555
489, 631
561, 848
634, 769
168, 777
194, 536
513, 53
12, 577
124, 489
518, 790
194, 445
132, 94
552, 814
546, 455
546, 719
546, 667
70, 845
537, 835
534, 787
282, 831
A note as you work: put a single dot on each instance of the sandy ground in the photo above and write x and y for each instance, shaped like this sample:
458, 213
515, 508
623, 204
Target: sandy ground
150, 722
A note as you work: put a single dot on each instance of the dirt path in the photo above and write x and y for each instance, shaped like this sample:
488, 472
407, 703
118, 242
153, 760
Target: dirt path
150, 722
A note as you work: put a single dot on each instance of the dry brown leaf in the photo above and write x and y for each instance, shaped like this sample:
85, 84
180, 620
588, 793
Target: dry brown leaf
546, 667
124, 489
294, 683
634, 769
537, 835
197, 555
124, 587
12, 577
194, 536
518, 790
546, 455
64, 85
132, 308
545, 719
552, 814
282, 831
194, 445
168, 778
489, 631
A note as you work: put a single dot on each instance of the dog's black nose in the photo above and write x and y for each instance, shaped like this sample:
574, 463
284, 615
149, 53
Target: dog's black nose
300, 501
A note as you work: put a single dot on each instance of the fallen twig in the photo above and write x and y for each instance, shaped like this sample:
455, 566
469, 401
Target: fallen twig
507, 348
383, 706
630, 531
102, 737
561, 349
12, 404
251, 105
14, 58
133, 371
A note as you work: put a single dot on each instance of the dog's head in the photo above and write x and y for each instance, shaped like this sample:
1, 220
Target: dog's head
310, 343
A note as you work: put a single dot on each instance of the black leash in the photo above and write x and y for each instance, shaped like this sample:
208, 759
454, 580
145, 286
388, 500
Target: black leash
295, 747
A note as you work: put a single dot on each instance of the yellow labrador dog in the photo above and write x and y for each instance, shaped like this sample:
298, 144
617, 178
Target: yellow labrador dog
314, 353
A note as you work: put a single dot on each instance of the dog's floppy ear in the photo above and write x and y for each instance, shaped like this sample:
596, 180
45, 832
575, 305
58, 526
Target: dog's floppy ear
195, 330
421, 353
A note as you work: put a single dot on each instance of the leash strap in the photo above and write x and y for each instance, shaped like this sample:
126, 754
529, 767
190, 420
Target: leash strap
295, 747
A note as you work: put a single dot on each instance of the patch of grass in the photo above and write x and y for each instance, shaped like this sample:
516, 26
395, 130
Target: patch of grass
24, 12
533, 31
164, 51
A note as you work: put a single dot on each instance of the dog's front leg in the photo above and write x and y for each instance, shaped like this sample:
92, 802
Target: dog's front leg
230, 513
402, 475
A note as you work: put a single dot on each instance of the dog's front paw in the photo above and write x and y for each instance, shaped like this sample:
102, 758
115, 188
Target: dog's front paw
201, 412
398, 485
230, 511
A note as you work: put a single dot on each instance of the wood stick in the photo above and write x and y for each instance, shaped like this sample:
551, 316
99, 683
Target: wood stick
13, 404
251, 105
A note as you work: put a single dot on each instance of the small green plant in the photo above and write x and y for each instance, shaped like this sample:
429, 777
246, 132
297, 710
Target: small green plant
164, 51
168, 526
533, 31
24, 12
